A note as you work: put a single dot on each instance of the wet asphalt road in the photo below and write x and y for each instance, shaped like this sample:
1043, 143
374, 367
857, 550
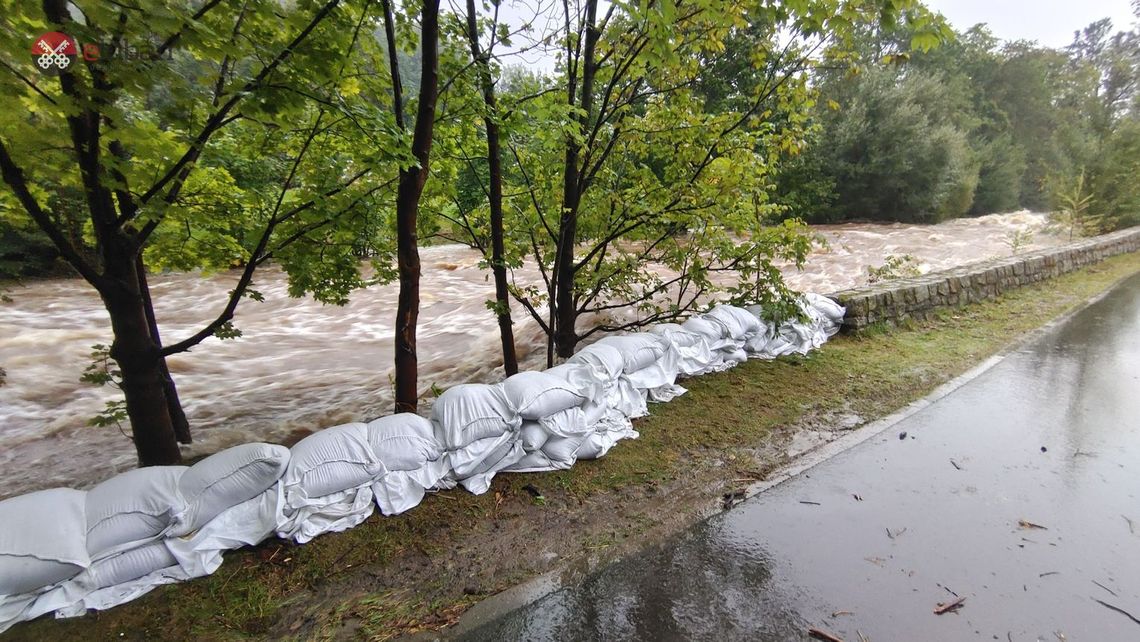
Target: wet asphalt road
867, 544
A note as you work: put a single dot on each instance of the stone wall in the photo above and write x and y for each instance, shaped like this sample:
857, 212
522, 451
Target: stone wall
915, 298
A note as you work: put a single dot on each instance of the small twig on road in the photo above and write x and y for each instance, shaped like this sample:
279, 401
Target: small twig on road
1049, 573
820, 634
1105, 588
838, 613
1117, 609
896, 533
955, 464
948, 607
804, 501
949, 590
1023, 523
1131, 526
862, 638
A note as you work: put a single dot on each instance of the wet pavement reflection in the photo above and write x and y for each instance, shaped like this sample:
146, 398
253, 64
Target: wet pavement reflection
1019, 492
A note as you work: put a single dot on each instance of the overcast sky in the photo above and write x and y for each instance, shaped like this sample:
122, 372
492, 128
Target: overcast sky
1049, 22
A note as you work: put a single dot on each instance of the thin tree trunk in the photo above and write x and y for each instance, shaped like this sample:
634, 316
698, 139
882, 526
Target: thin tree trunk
566, 313
173, 403
408, 192
139, 360
494, 196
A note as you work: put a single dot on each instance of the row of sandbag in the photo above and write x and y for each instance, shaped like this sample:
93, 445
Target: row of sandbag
67, 551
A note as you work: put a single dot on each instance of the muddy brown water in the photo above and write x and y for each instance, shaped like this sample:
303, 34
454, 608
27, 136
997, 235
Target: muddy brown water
1019, 492
301, 365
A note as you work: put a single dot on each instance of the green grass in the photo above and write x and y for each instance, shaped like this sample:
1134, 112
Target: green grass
361, 584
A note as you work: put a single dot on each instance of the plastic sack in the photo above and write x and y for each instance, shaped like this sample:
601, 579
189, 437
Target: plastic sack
226, 479
133, 508
413, 461
638, 351
327, 485
43, 540
535, 395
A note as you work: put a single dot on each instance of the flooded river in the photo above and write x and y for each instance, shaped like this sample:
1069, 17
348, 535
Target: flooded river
302, 365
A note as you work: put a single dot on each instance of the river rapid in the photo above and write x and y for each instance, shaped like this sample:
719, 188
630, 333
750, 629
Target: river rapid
301, 365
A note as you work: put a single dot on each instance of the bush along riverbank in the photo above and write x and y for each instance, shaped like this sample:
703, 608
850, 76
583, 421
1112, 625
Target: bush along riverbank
422, 569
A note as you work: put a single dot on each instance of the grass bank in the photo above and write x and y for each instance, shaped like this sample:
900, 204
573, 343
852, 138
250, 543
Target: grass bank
423, 569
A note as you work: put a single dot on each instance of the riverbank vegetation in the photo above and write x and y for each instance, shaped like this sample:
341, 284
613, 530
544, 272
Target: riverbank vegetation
656, 145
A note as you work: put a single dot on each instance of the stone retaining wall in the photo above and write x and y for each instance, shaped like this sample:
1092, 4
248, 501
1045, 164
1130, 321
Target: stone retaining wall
915, 298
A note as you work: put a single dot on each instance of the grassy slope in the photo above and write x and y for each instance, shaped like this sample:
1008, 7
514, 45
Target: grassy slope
424, 568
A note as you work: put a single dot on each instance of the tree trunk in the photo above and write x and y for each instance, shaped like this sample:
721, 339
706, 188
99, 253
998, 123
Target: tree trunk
494, 196
566, 312
408, 193
140, 362
173, 403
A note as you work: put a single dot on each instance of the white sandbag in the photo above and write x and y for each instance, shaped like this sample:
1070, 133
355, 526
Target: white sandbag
581, 378
707, 328
329, 461
482, 460
533, 436
133, 508
226, 479
185, 558
558, 438
606, 362
694, 357
43, 540
739, 324
534, 395
413, 461
676, 334
472, 412
829, 309
128, 565
638, 351
559, 453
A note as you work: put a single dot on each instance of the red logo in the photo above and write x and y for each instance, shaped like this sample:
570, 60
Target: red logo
54, 51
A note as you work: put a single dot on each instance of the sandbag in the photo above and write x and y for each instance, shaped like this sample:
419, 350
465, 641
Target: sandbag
533, 436
226, 479
132, 508
581, 378
471, 412
534, 395
710, 330
329, 461
477, 463
638, 351
552, 442
43, 539
128, 565
694, 357
738, 323
606, 362
413, 461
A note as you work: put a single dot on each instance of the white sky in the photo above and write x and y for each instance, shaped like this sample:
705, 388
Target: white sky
1049, 22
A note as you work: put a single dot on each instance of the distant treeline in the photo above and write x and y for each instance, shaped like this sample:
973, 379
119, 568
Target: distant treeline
973, 127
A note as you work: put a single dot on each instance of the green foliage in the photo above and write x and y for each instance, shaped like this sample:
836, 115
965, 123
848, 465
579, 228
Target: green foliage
896, 266
975, 126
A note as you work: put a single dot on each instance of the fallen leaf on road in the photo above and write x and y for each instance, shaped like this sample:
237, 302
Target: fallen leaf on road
823, 635
838, 613
1027, 524
948, 607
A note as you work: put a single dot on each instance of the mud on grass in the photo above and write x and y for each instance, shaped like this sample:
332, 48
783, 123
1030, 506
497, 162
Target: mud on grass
421, 570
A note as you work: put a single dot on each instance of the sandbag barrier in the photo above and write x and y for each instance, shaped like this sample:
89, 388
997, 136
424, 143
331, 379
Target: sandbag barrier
67, 551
